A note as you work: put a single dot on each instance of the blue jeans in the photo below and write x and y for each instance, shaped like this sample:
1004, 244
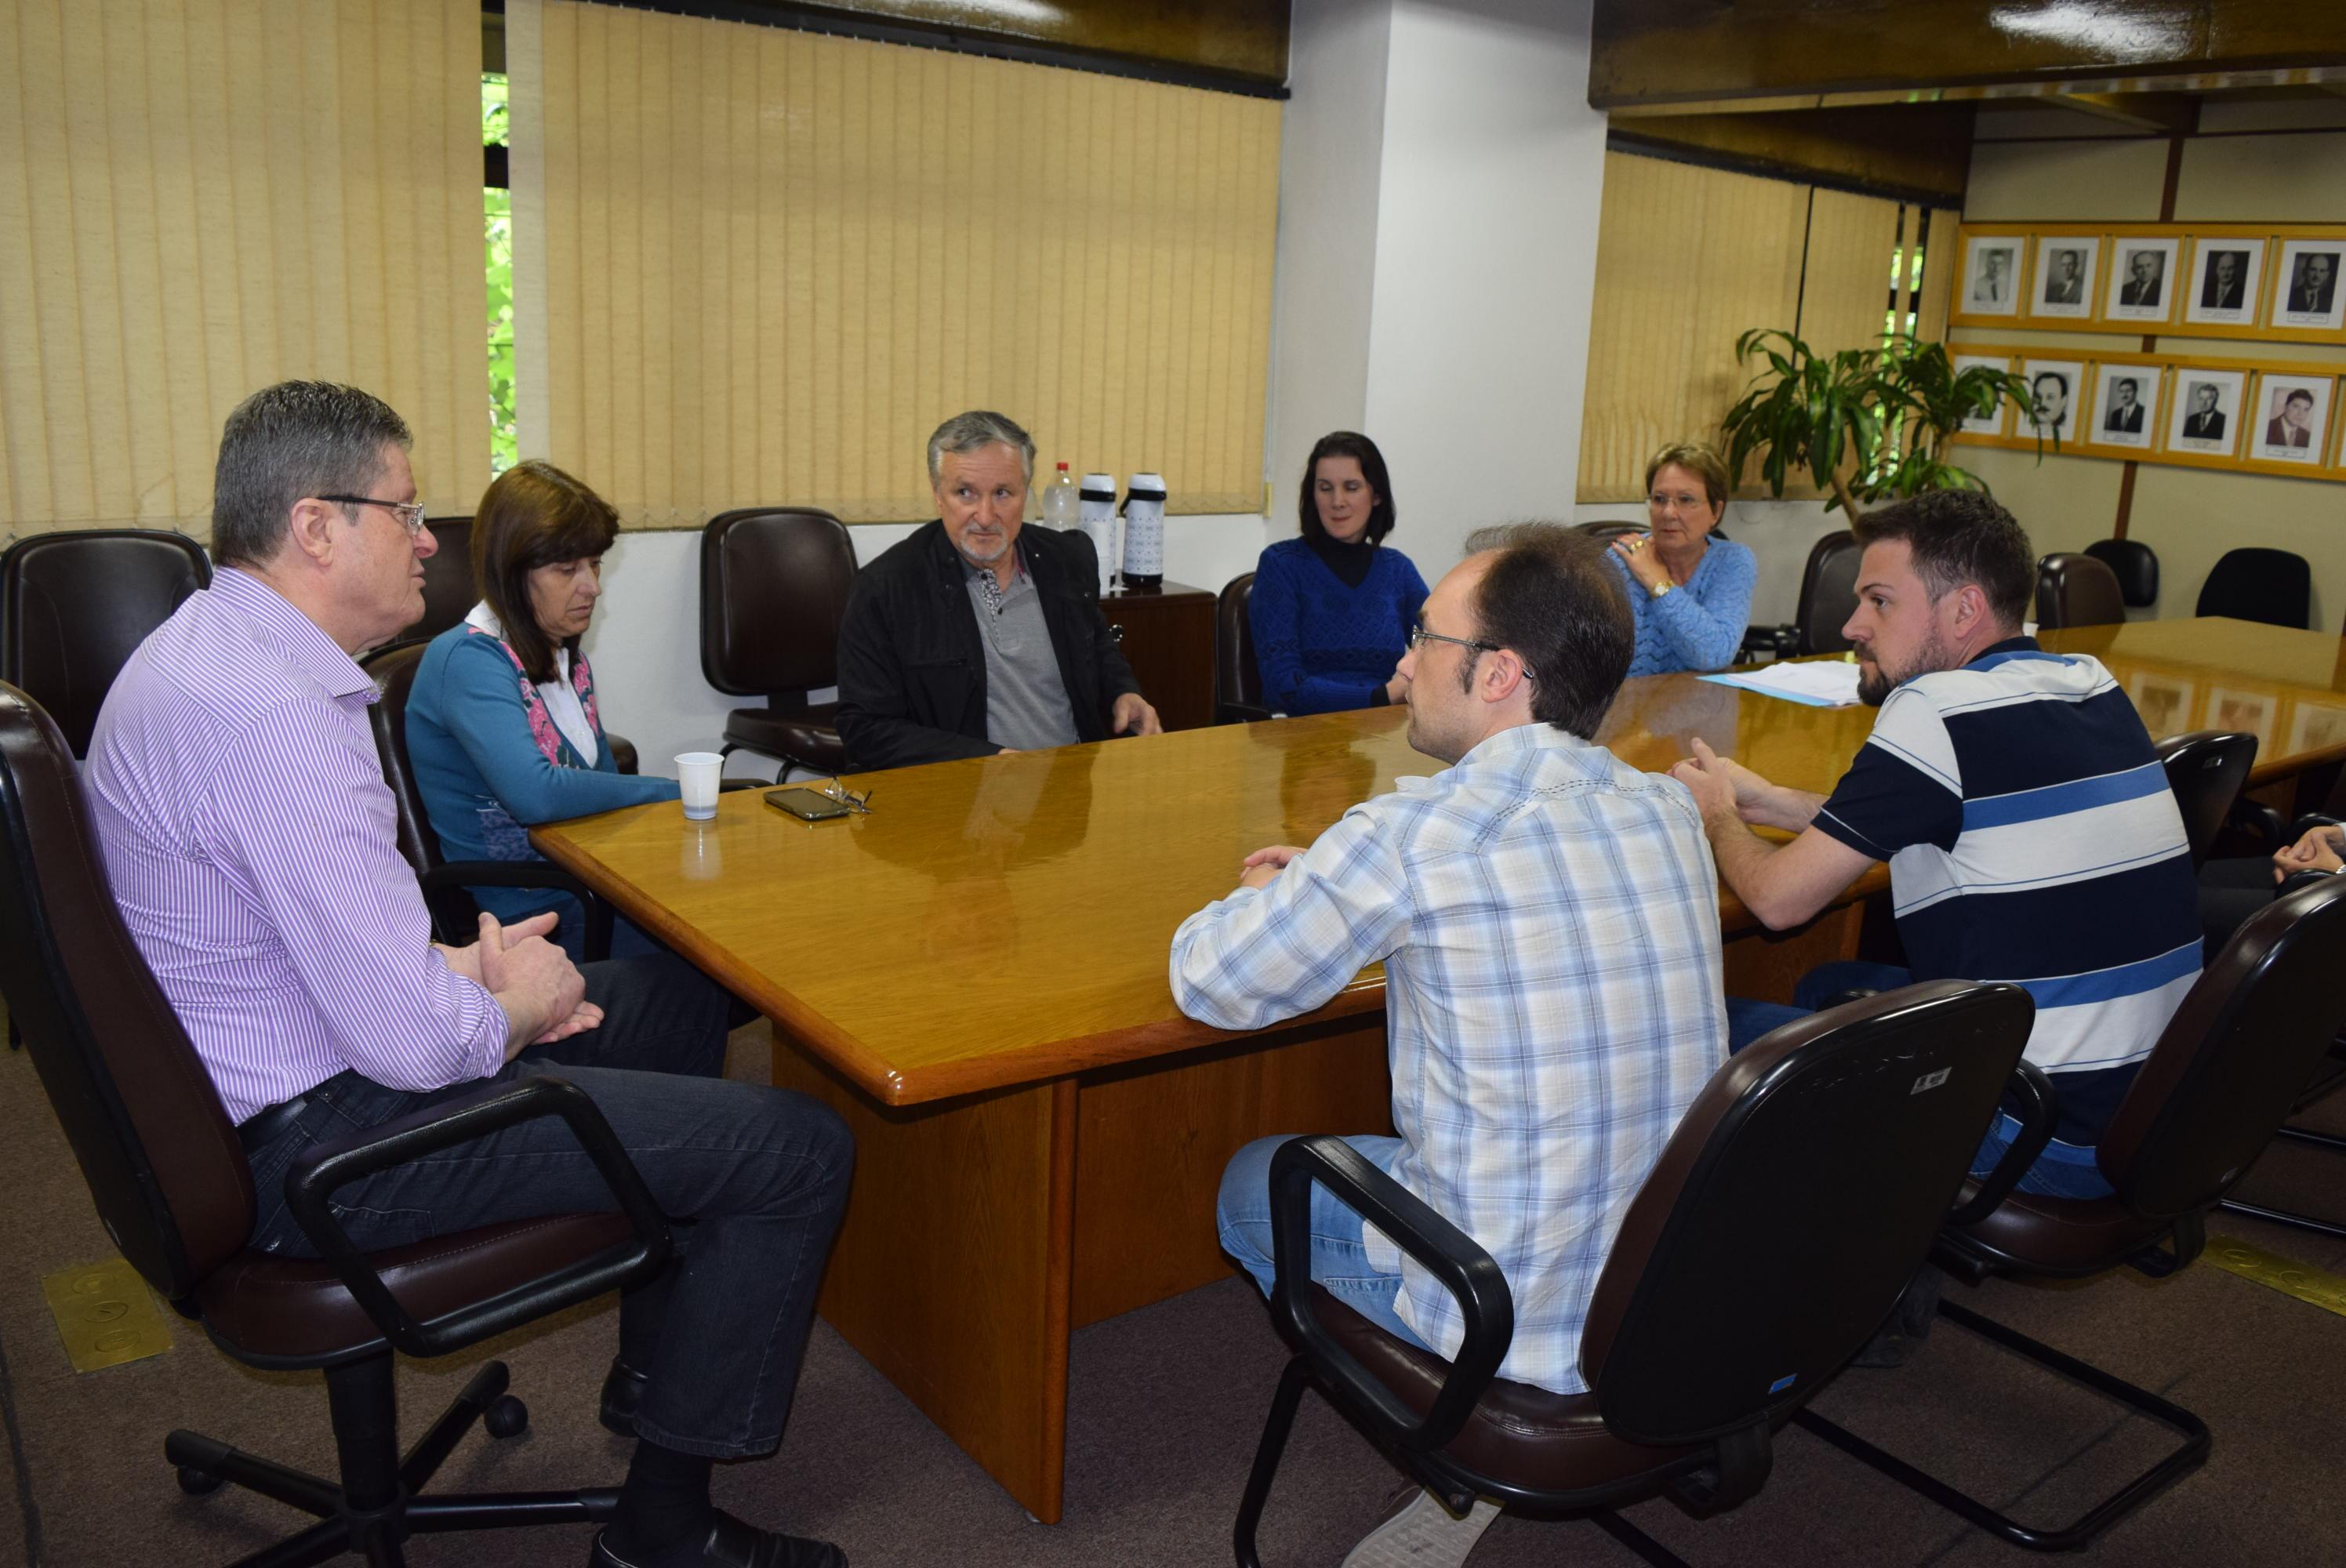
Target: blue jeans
753, 1181
2063, 1170
1339, 1259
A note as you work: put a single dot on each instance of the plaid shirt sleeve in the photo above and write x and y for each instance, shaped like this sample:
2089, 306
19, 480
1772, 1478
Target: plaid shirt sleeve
1264, 954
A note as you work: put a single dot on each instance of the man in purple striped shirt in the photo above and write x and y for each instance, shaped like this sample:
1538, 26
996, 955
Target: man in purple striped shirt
250, 838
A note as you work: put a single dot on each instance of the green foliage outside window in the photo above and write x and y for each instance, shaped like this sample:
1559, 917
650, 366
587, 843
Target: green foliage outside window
497, 216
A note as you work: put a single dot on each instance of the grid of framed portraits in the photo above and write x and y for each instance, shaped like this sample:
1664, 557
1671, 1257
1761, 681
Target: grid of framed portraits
2273, 417
2273, 282
2178, 700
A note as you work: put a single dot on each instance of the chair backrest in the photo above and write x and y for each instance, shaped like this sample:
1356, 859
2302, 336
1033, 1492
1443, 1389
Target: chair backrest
393, 670
2234, 1059
2136, 566
2275, 586
1828, 593
75, 606
1237, 679
2206, 769
2076, 590
1610, 530
1798, 1196
449, 591
774, 583
153, 1141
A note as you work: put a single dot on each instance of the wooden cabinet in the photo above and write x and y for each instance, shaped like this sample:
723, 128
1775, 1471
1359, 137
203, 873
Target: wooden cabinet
1168, 640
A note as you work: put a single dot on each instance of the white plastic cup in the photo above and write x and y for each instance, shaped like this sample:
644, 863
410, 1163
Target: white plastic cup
697, 773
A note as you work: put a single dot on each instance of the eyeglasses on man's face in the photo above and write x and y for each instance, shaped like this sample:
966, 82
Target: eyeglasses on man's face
409, 512
1418, 636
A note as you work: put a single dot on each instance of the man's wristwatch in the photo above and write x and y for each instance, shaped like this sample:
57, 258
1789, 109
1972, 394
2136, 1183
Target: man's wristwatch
1661, 588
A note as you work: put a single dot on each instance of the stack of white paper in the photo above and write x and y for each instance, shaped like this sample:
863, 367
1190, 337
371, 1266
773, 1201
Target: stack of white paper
1819, 683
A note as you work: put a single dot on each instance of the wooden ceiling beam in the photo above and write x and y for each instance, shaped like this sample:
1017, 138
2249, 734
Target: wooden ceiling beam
2161, 114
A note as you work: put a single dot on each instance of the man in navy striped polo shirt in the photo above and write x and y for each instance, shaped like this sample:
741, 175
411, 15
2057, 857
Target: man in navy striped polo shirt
2029, 829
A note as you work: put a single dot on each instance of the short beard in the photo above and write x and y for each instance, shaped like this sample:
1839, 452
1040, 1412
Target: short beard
1875, 683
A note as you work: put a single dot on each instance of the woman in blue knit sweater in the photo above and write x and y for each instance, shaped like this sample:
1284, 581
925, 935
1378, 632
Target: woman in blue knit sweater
1689, 592
1332, 610
503, 730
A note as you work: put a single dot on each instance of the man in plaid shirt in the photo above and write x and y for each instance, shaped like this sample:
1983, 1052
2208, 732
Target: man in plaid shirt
1548, 921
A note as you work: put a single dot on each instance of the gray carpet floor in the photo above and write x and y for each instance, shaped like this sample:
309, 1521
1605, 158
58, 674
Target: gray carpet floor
1164, 1406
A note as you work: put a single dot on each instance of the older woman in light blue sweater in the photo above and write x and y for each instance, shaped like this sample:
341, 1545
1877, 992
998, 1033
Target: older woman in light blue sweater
1689, 591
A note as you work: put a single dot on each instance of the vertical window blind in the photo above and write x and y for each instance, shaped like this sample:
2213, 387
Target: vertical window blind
758, 266
1688, 259
198, 198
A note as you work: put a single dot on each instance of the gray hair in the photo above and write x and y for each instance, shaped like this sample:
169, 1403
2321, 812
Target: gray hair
293, 440
967, 433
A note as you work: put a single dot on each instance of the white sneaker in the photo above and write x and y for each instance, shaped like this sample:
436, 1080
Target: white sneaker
1419, 1532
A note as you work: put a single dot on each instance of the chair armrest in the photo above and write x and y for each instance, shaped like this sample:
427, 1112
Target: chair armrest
1240, 713
2306, 824
2039, 1111
2296, 880
623, 751
460, 874
1470, 1274
325, 1167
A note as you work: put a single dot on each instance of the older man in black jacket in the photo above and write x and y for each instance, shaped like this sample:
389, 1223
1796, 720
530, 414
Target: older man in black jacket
975, 635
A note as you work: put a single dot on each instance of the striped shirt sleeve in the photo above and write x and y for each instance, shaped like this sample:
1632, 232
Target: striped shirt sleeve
1903, 790
318, 859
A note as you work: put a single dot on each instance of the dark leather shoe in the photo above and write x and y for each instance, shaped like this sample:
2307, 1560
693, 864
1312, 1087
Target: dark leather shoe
733, 1545
623, 1392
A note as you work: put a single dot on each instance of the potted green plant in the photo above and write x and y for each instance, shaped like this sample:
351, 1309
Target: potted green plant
1866, 424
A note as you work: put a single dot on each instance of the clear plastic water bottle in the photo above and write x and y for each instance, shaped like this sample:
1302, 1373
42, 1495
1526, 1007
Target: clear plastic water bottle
1063, 503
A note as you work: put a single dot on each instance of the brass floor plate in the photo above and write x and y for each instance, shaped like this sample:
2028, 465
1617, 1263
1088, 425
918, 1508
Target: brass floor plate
2286, 1275
104, 1315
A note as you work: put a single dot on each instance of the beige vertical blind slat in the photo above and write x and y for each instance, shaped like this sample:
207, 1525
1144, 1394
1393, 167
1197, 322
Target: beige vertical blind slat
1687, 259
179, 227
1934, 298
773, 261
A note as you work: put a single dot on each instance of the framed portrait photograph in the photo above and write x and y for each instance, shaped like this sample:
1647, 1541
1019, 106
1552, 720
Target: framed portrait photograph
2224, 278
2063, 286
2000, 422
2142, 279
2206, 414
2126, 405
1991, 282
2251, 711
2292, 418
2306, 293
2164, 702
2314, 728
2055, 387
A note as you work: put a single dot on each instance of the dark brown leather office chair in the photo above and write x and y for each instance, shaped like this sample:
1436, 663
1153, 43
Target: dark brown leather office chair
2230, 1063
449, 591
2206, 769
1238, 679
774, 589
171, 1183
2135, 566
74, 607
456, 918
1609, 530
1788, 1209
2075, 590
1827, 593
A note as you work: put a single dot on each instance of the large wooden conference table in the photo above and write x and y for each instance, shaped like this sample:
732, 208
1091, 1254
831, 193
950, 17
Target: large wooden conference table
974, 976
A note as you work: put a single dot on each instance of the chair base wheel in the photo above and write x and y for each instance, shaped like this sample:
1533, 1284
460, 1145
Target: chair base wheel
508, 1417
199, 1483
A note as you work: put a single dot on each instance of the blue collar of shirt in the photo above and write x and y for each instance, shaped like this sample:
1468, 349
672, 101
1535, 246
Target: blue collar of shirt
302, 641
2012, 649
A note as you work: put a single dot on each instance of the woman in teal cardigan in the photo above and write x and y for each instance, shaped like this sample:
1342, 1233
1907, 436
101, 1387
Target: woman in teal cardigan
503, 730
